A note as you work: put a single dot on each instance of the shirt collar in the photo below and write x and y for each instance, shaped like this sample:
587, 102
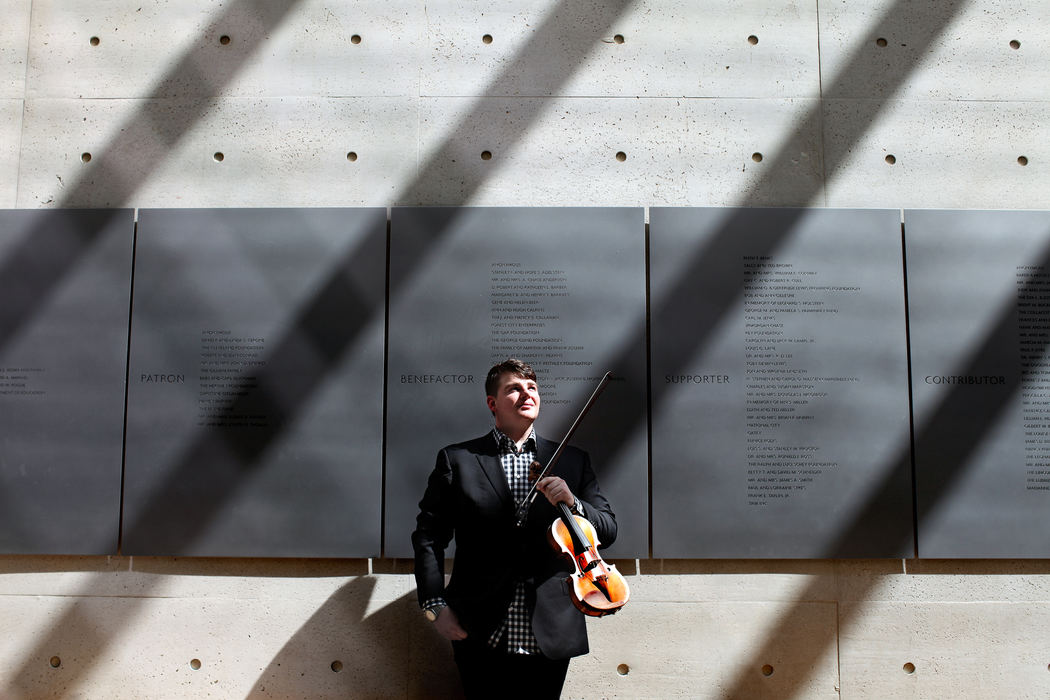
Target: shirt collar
505, 444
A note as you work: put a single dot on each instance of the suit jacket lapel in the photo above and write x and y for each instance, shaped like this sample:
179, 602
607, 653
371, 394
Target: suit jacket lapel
493, 470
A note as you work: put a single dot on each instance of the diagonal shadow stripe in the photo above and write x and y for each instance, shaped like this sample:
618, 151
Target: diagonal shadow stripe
575, 28
140, 146
577, 25
952, 431
924, 23
168, 508
901, 7
161, 512
142, 142
343, 622
944, 422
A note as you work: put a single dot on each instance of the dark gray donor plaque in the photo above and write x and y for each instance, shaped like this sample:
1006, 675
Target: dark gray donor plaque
979, 310
256, 383
562, 289
65, 289
780, 384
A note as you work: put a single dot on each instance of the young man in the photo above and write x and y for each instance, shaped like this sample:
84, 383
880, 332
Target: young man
507, 608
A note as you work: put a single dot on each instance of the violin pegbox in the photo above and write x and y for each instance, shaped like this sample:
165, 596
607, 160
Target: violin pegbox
535, 469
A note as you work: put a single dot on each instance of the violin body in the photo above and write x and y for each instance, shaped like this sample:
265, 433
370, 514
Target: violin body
597, 588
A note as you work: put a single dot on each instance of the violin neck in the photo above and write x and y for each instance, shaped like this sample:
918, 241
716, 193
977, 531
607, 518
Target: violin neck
580, 543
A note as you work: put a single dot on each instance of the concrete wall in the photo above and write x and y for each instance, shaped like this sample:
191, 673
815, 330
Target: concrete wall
914, 103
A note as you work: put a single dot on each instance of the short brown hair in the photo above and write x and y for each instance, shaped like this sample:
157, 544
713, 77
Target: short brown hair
508, 366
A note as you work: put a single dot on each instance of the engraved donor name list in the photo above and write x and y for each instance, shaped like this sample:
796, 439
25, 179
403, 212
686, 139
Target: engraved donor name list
782, 388
525, 320
1033, 330
229, 372
780, 395
22, 382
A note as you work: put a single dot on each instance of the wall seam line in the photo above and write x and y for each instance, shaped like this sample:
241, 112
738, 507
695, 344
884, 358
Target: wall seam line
838, 647
820, 112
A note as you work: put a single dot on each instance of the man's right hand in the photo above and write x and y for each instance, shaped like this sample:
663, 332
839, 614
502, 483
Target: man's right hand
447, 625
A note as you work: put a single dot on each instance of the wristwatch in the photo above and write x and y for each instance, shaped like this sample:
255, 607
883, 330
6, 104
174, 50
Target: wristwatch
434, 610
577, 507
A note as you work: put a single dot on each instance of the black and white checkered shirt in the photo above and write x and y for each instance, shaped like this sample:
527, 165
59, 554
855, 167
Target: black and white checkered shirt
516, 625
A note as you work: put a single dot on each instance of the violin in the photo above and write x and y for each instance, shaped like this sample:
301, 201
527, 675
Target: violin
596, 588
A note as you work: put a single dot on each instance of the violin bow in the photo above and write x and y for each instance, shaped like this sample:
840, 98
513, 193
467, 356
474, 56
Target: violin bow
522, 513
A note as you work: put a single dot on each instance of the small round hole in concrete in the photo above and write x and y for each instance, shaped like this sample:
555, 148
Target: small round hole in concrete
1022, 160
85, 157
891, 159
486, 155
225, 40
337, 666
881, 42
909, 667
351, 156
55, 662
623, 669
1015, 44
752, 40
94, 41
619, 39
487, 39
767, 670
355, 39
195, 664
218, 157
621, 156
757, 157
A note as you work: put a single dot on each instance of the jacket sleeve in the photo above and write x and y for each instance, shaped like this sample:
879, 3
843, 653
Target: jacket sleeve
434, 530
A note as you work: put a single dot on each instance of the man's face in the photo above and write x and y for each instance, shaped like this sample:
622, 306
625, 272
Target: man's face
517, 401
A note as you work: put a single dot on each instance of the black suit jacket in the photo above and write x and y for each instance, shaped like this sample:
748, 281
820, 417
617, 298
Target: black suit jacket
467, 497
